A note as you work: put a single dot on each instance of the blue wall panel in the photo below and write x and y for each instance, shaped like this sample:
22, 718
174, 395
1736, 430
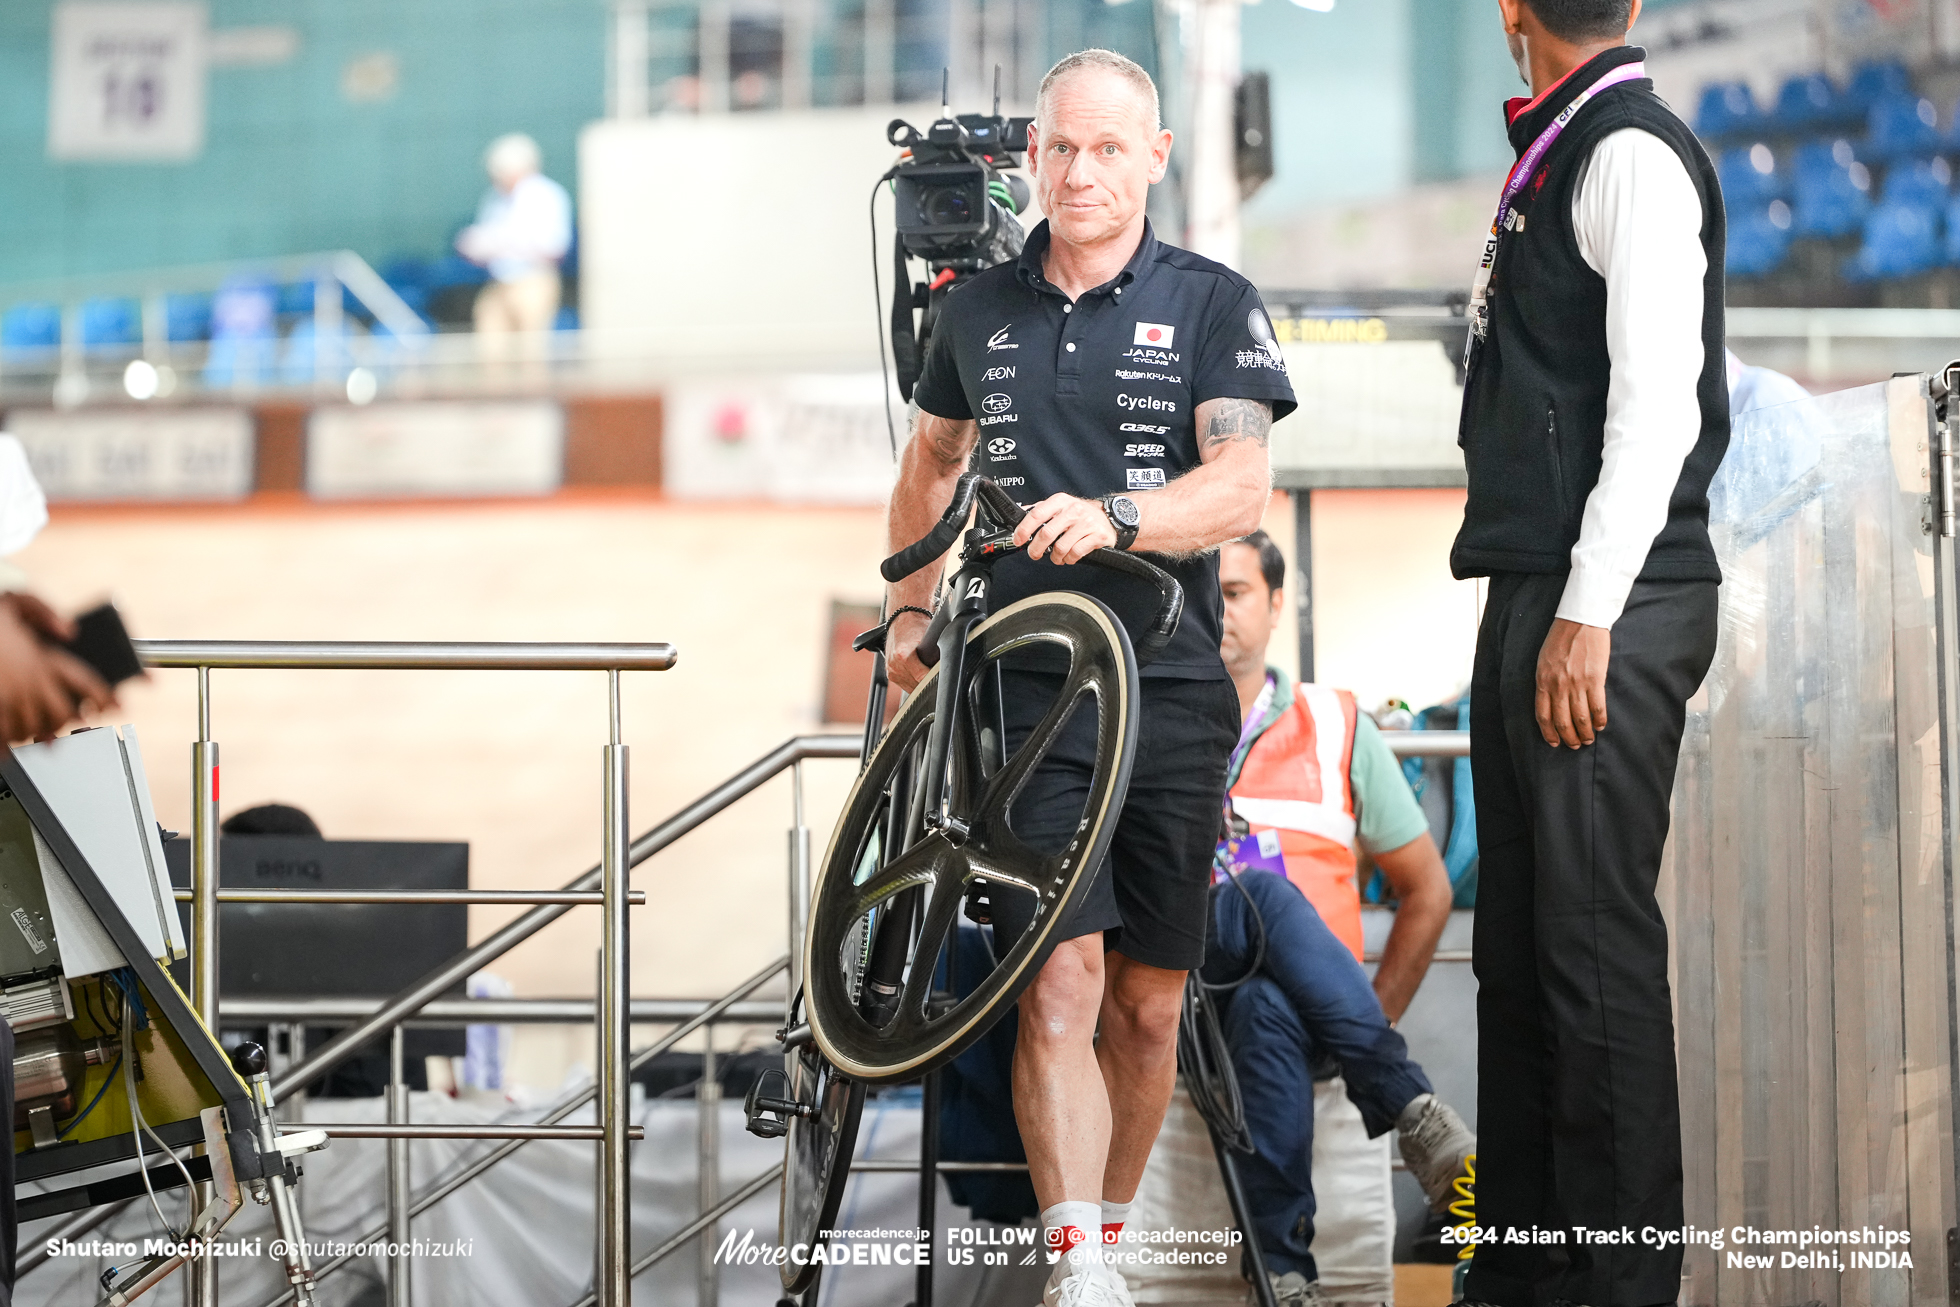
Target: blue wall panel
290, 163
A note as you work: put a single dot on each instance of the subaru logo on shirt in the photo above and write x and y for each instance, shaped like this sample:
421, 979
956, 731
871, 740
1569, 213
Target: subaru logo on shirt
997, 403
1001, 447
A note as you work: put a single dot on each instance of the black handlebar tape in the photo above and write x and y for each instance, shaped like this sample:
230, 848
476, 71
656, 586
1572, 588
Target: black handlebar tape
1170, 608
921, 553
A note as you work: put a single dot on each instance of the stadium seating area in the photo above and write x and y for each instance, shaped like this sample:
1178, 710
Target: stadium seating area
254, 326
1837, 194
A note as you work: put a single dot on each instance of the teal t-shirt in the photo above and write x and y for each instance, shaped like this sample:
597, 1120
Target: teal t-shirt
1384, 805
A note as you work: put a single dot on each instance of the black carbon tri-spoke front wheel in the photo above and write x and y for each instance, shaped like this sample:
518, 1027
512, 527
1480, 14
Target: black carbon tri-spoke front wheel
869, 991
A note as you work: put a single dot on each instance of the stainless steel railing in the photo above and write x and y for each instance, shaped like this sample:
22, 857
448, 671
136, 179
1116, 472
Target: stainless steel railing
612, 1281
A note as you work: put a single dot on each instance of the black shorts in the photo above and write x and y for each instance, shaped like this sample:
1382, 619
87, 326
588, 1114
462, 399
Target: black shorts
1150, 890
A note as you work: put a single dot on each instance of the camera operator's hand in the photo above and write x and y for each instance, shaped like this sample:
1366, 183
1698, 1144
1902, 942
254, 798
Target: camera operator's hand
42, 688
1065, 529
902, 665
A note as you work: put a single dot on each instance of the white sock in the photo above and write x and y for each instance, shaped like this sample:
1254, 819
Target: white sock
1083, 1219
1113, 1217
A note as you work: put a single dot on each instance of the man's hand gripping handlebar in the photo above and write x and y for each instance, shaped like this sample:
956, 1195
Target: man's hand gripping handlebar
990, 540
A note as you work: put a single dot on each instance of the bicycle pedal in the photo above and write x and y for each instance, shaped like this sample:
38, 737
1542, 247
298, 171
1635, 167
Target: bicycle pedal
979, 902
769, 1113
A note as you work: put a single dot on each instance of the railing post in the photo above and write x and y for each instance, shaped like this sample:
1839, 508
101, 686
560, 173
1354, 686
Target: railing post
799, 889
707, 1103
203, 1284
399, 1198
615, 1287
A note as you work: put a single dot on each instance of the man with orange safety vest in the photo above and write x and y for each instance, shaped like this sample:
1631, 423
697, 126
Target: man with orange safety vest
1311, 782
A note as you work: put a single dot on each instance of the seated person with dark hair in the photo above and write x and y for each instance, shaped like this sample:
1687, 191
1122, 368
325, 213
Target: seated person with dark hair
1310, 781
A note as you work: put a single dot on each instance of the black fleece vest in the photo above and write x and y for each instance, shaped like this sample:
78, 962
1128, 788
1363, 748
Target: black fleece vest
1534, 400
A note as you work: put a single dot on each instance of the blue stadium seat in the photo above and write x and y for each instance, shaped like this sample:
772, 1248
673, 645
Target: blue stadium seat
1918, 181
32, 326
409, 276
1900, 239
1953, 230
1899, 126
304, 347
108, 320
1809, 100
455, 270
1831, 191
1872, 82
244, 345
1726, 109
1759, 238
187, 317
1749, 176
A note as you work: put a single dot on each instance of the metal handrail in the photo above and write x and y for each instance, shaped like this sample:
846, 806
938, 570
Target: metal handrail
451, 1012
570, 898
525, 1133
565, 1106
373, 655
407, 1002
1428, 744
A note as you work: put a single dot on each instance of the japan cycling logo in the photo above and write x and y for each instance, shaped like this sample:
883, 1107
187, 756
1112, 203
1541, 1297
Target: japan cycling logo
1001, 447
1155, 333
997, 403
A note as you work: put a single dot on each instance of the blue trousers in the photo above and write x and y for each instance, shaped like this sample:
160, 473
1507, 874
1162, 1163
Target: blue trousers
1310, 1001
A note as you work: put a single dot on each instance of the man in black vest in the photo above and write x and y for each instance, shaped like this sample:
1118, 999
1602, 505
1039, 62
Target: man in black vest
1595, 413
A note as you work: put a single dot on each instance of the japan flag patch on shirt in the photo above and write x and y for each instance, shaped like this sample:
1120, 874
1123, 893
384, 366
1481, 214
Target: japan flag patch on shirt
1155, 333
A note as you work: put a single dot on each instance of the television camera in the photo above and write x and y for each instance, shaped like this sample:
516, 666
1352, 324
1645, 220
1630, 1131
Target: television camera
957, 211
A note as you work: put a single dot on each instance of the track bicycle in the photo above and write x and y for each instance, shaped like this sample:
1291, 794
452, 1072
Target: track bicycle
927, 832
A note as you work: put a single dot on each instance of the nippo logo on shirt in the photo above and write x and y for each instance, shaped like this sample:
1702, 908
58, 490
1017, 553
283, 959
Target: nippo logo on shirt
1154, 333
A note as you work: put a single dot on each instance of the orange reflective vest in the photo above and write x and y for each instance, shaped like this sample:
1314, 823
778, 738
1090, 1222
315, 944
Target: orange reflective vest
1294, 779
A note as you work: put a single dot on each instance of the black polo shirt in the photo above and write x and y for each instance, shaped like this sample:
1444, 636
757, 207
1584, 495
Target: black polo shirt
1100, 397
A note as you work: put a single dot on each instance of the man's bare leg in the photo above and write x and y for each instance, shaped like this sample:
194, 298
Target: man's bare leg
1059, 1099
1137, 1055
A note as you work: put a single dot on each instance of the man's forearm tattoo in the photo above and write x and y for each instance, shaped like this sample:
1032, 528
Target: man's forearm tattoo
948, 442
1239, 419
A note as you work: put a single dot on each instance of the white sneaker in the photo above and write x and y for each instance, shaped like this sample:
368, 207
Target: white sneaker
1435, 1142
1119, 1288
1080, 1280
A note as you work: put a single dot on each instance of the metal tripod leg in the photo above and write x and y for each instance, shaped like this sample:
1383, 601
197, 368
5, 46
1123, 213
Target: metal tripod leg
1262, 1287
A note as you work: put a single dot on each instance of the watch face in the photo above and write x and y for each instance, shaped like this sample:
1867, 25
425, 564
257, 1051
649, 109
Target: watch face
1125, 510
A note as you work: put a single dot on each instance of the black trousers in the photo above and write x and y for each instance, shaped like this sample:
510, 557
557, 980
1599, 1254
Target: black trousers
1578, 1110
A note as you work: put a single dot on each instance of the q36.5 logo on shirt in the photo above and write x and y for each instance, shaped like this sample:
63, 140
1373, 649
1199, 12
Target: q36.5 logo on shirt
1001, 447
997, 403
999, 340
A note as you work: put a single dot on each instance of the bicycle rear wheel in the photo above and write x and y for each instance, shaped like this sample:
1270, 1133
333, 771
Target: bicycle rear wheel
881, 924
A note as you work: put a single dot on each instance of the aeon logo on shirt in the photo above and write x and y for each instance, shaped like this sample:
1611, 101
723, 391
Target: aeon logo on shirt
997, 403
999, 340
998, 374
1001, 447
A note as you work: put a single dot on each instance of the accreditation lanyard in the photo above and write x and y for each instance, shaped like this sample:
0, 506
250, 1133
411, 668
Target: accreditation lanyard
1521, 172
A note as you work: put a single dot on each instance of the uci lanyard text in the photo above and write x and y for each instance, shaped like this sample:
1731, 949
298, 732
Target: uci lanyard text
1527, 165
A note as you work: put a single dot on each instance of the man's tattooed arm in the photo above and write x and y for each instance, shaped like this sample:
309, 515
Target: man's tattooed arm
1227, 420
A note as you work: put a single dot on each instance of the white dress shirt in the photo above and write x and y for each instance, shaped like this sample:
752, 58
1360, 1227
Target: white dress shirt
1638, 221
522, 233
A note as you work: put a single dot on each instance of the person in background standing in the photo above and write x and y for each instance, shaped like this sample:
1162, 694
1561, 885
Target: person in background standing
1595, 412
522, 231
